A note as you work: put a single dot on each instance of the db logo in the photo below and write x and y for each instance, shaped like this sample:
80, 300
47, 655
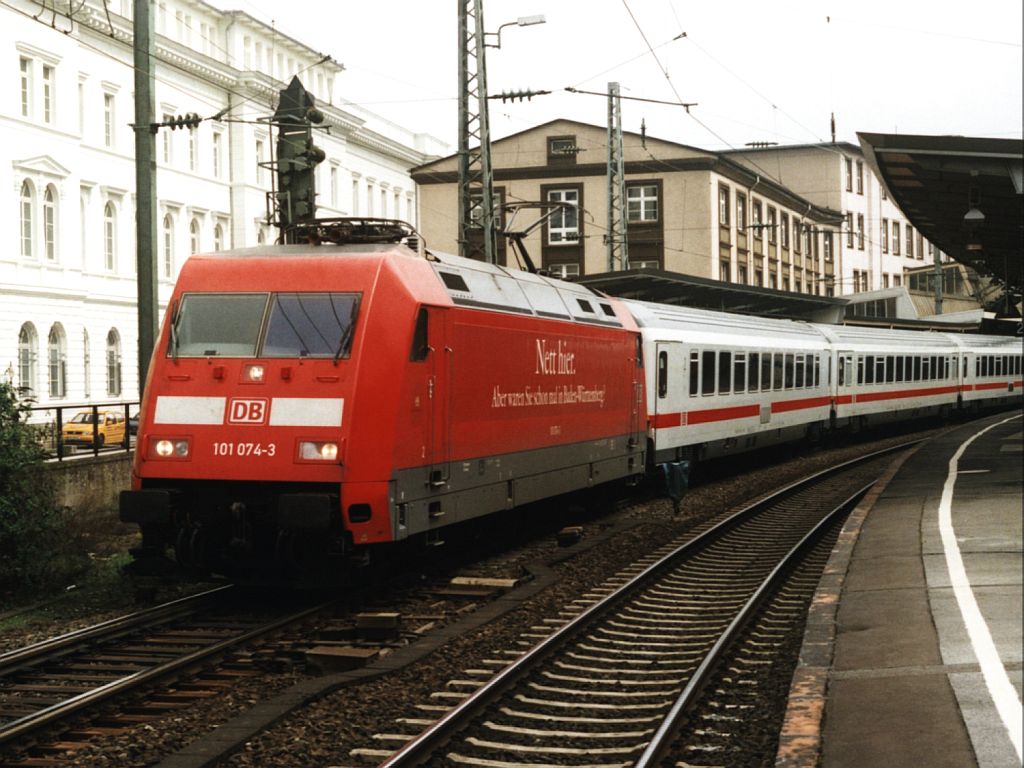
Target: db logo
247, 411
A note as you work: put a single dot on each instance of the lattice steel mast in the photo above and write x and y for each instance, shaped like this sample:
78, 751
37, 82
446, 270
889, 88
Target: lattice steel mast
618, 248
476, 180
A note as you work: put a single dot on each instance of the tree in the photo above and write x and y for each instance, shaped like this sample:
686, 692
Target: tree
30, 523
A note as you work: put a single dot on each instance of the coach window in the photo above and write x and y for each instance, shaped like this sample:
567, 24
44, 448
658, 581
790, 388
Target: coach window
755, 366
694, 373
766, 372
880, 369
799, 370
869, 369
917, 368
662, 374
707, 383
787, 371
890, 369
420, 348
778, 367
739, 372
926, 369
724, 373
899, 368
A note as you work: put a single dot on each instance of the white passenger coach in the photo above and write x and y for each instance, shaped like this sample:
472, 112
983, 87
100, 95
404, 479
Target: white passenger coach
720, 383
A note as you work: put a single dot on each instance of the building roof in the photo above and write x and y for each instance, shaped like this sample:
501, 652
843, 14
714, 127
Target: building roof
672, 157
936, 180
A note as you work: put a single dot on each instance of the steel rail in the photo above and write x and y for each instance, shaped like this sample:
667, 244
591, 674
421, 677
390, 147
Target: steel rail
663, 738
414, 752
63, 709
16, 659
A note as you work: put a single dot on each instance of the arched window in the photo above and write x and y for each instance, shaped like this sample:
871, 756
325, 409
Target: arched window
109, 237
114, 363
86, 363
50, 223
27, 345
218, 238
27, 246
193, 233
168, 246
57, 363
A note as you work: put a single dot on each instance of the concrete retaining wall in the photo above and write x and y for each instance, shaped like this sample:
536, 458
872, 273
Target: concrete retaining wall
91, 482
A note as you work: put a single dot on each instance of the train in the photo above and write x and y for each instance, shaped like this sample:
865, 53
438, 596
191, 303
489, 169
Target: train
309, 405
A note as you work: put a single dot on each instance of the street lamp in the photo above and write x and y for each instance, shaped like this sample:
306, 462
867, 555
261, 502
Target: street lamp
522, 21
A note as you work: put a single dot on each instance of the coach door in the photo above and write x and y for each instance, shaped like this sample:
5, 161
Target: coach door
439, 395
669, 391
845, 376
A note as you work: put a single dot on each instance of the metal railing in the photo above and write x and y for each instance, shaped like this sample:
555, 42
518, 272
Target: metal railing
49, 423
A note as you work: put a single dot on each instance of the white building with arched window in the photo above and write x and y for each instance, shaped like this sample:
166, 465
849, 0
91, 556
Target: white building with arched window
68, 325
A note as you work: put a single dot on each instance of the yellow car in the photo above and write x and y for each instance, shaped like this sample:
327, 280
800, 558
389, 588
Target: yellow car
109, 428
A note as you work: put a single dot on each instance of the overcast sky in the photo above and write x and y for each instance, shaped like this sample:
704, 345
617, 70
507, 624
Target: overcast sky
756, 71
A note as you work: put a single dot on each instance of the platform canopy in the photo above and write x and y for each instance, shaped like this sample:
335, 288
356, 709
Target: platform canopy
963, 194
687, 290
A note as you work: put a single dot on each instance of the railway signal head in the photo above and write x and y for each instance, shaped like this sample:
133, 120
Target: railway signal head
297, 155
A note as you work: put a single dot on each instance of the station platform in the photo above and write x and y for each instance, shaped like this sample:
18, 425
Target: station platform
913, 649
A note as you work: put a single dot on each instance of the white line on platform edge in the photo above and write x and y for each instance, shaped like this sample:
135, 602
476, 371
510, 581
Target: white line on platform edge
1003, 694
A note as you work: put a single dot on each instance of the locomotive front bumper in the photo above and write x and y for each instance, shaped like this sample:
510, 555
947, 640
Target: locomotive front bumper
306, 512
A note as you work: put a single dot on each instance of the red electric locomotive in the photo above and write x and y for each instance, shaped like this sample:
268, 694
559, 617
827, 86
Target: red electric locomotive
307, 403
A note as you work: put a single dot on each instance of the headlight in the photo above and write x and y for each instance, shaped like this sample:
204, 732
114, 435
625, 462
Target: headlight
254, 373
317, 451
167, 449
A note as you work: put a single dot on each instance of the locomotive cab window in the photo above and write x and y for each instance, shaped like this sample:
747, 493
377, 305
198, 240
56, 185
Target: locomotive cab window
217, 325
420, 348
311, 325
296, 325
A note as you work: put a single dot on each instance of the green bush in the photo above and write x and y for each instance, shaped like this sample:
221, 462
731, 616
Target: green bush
33, 551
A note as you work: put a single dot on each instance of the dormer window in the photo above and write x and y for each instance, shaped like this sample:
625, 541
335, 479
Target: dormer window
562, 150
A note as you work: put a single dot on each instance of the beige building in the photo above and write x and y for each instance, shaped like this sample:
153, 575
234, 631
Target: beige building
878, 245
689, 210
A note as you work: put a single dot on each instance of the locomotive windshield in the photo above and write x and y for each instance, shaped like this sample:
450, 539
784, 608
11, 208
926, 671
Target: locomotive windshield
264, 325
217, 324
310, 325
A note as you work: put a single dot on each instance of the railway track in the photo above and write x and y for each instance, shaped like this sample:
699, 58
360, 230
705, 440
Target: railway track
46, 684
612, 681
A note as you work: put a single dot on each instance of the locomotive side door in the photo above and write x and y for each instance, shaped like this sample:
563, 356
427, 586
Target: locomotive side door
669, 394
439, 396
